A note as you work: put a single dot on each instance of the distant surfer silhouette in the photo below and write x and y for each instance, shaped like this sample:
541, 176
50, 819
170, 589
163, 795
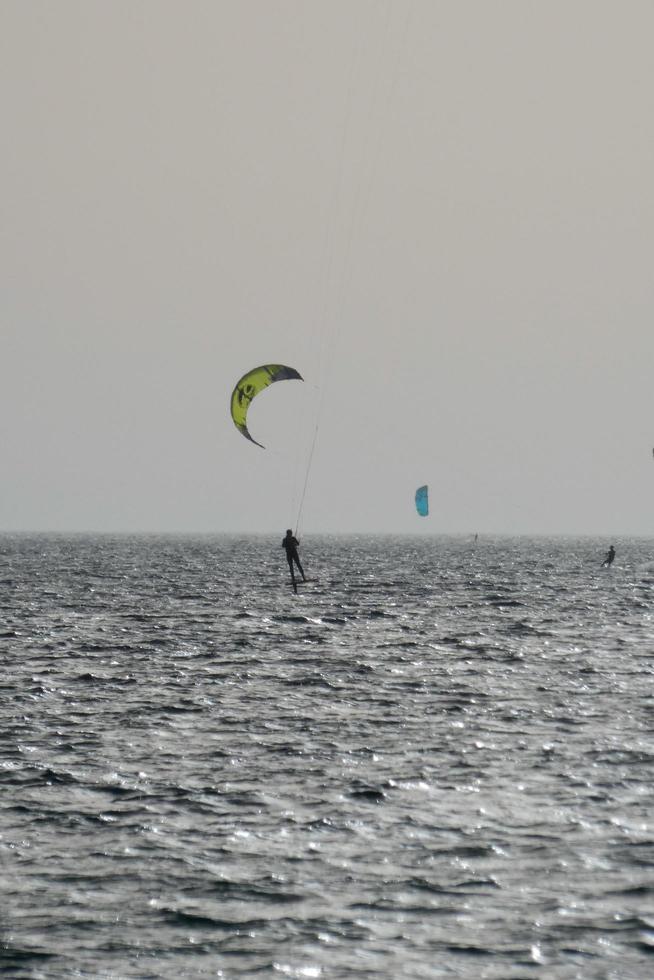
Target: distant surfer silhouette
291, 544
610, 555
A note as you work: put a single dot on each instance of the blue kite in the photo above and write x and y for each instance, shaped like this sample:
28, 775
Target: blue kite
422, 501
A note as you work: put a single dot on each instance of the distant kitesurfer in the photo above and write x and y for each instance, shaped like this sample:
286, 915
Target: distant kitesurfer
610, 555
291, 544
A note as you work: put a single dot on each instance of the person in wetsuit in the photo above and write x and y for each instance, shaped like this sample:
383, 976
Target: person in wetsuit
610, 555
291, 544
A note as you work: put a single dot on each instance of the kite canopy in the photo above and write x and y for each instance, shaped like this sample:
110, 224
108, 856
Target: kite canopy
250, 385
422, 501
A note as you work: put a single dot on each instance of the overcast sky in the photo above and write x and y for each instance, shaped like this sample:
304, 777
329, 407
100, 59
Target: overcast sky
440, 213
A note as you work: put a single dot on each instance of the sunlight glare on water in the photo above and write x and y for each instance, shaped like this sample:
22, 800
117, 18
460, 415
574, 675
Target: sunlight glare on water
435, 760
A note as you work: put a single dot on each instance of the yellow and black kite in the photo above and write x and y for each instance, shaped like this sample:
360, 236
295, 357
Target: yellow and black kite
249, 387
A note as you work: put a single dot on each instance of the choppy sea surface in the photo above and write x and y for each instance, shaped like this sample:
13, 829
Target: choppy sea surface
437, 760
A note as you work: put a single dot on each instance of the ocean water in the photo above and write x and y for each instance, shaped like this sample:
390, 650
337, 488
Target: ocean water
437, 760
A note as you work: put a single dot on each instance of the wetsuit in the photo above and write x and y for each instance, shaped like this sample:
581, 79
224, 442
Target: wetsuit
291, 544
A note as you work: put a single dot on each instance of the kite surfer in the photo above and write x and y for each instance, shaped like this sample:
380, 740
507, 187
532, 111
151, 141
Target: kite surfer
610, 555
291, 544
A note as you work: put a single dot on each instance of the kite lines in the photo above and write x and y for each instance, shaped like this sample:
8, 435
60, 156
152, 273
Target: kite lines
375, 40
378, 44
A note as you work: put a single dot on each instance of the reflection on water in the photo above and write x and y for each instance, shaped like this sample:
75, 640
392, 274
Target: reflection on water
436, 760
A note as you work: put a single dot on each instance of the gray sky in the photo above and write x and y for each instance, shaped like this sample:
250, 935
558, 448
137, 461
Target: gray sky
440, 213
